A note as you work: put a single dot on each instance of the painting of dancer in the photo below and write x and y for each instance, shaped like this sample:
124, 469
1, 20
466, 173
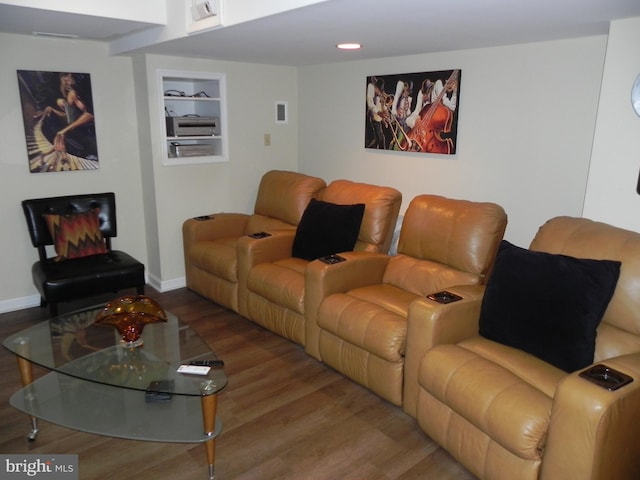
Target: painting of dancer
59, 125
413, 112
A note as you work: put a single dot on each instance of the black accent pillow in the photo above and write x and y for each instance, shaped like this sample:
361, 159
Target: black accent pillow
546, 304
326, 228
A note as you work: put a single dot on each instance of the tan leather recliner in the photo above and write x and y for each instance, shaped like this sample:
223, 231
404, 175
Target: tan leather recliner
210, 256
275, 295
364, 302
506, 414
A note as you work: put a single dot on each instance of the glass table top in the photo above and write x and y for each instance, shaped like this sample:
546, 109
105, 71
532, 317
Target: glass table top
73, 345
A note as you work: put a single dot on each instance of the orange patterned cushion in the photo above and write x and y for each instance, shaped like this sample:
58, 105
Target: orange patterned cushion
76, 235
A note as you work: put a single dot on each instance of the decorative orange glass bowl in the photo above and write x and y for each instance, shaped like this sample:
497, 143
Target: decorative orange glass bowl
129, 315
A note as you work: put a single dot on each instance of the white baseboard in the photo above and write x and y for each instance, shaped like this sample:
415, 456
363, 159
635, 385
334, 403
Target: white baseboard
21, 303
173, 284
166, 285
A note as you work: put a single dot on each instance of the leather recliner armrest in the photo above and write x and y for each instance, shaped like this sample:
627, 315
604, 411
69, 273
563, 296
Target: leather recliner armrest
358, 270
430, 324
220, 225
589, 434
321, 280
276, 246
252, 251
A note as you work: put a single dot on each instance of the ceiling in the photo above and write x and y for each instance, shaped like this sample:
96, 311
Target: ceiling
308, 35
25, 20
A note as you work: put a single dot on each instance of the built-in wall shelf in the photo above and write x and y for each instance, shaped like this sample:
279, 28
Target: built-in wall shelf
193, 117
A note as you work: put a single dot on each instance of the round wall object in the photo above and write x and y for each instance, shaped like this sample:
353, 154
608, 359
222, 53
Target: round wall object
635, 96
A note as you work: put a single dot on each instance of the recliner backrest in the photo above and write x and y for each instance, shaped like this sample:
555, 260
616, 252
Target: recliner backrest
445, 242
281, 200
619, 331
382, 205
459, 233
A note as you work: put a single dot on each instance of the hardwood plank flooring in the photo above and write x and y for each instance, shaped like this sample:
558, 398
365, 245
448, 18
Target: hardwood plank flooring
285, 415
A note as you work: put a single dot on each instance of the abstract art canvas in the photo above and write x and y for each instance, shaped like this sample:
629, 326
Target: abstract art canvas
59, 124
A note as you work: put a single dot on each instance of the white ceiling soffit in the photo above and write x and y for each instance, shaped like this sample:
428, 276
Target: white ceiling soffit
102, 21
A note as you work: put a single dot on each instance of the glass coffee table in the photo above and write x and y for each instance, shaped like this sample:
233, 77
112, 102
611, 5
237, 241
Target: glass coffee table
98, 385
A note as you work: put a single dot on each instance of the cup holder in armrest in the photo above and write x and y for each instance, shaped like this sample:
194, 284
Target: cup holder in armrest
331, 259
606, 377
204, 217
444, 297
259, 235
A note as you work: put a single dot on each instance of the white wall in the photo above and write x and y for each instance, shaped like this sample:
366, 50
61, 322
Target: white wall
149, 226
187, 190
611, 190
526, 121
116, 132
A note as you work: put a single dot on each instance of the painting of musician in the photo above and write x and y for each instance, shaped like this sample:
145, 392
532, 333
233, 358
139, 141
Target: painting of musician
413, 112
57, 111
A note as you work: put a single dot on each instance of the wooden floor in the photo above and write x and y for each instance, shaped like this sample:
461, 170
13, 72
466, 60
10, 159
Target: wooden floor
285, 415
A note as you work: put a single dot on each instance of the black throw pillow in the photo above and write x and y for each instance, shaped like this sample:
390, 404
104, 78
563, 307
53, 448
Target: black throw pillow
547, 305
326, 228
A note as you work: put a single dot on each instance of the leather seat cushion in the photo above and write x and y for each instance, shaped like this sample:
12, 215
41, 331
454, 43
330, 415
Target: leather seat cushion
496, 400
281, 282
216, 257
77, 277
389, 297
370, 318
539, 374
424, 276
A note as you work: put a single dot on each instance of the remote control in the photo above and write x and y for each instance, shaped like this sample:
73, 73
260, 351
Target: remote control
208, 363
159, 391
194, 369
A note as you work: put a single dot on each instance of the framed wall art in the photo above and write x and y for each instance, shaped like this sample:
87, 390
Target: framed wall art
413, 112
57, 111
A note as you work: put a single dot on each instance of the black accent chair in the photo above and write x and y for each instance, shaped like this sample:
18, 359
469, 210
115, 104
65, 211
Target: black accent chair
79, 277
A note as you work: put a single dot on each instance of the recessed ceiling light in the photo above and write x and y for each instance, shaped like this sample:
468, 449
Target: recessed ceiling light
349, 46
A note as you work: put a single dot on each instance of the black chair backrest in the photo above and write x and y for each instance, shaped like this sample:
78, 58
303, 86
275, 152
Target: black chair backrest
35, 208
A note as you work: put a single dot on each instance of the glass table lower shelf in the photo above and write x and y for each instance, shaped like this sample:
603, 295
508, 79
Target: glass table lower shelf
98, 385
112, 411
